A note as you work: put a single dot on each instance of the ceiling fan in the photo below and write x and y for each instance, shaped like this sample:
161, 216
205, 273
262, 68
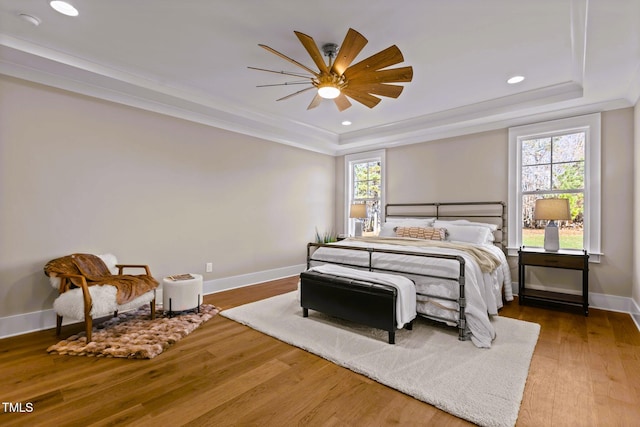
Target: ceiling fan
338, 80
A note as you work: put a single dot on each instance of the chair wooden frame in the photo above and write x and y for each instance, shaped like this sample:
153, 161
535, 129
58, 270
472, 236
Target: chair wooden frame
65, 285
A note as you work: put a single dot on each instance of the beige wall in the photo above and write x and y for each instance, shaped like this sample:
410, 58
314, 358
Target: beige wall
470, 167
636, 209
340, 194
475, 168
79, 174
614, 275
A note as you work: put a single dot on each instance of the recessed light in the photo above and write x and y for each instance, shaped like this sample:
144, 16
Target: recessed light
346, 123
64, 8
515, 79
30, 19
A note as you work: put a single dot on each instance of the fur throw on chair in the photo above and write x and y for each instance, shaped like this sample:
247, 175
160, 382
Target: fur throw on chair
104, 296
97, 273
109, 260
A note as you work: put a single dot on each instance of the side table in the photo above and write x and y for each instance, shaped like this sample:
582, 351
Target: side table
181, 293
567, 259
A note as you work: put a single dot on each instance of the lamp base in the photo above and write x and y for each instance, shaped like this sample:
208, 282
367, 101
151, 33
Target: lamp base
358, 229
551, 239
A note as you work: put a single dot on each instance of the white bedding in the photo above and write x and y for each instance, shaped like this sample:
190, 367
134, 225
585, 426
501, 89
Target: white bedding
483, 291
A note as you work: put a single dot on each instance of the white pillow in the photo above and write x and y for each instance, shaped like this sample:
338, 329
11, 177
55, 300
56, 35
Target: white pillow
387, 229
469, 234
443, 223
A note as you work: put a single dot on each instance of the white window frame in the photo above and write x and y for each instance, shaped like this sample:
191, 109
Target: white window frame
591, 125
349, 160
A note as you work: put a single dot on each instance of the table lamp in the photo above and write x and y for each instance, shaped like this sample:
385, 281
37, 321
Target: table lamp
358, 211
551, 210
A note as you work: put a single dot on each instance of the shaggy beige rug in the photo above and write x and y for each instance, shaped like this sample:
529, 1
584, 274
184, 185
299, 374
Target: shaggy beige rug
484, 386
134, 335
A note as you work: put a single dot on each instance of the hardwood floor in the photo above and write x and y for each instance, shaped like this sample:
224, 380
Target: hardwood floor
585, 372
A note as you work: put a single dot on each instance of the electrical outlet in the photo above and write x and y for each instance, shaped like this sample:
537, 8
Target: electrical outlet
209, 267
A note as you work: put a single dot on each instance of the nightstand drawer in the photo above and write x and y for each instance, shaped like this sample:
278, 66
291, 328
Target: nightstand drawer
553, 260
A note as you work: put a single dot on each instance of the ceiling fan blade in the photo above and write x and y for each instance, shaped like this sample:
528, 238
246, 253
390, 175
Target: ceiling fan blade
384, 58
351, 46
295, 93
362, 97
393, 75
311, 47
293, 61
315, 102
342, 102
391, 91
286, 73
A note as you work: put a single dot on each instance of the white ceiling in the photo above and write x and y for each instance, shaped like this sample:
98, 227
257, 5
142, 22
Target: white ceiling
189, 59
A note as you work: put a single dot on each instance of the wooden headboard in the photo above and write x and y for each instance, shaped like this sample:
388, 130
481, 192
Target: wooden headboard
488, 212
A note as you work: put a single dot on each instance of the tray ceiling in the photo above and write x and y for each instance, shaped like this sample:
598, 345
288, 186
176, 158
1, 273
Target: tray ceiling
189, 59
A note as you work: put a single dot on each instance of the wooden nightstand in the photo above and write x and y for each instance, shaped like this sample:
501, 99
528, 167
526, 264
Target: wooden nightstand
572, 260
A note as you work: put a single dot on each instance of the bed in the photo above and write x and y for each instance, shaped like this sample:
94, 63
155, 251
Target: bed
453, 252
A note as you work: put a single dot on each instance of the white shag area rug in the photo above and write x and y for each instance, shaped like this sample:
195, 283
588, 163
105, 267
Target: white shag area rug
484, 386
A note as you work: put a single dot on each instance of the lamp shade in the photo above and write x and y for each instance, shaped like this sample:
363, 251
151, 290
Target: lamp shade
358, 211
551, 209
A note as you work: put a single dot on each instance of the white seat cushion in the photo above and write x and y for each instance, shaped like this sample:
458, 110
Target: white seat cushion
71, 303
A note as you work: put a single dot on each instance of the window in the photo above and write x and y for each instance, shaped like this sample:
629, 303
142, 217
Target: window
365, 184
556, 159
553, 166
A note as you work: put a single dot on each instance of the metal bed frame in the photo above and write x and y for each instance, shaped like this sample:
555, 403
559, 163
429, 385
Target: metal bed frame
477, 211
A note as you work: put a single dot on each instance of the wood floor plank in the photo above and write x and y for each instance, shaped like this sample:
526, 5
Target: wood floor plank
585, 371
538, 399
218, 393
309, 374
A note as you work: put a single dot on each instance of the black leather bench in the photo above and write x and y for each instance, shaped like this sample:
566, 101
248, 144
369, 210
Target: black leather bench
359, 301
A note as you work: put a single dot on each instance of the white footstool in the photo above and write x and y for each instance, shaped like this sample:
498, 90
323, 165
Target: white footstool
180, 294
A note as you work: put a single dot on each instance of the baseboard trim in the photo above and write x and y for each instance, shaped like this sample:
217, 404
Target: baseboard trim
611, 303
20, 324
29, 322
227, 283
600, 301
635, 313
596, 300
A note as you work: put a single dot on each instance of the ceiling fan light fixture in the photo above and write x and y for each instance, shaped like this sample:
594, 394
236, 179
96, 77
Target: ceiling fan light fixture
328, 91
64, 8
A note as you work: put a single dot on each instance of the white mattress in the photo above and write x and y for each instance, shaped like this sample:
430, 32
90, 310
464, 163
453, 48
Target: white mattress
483, 291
